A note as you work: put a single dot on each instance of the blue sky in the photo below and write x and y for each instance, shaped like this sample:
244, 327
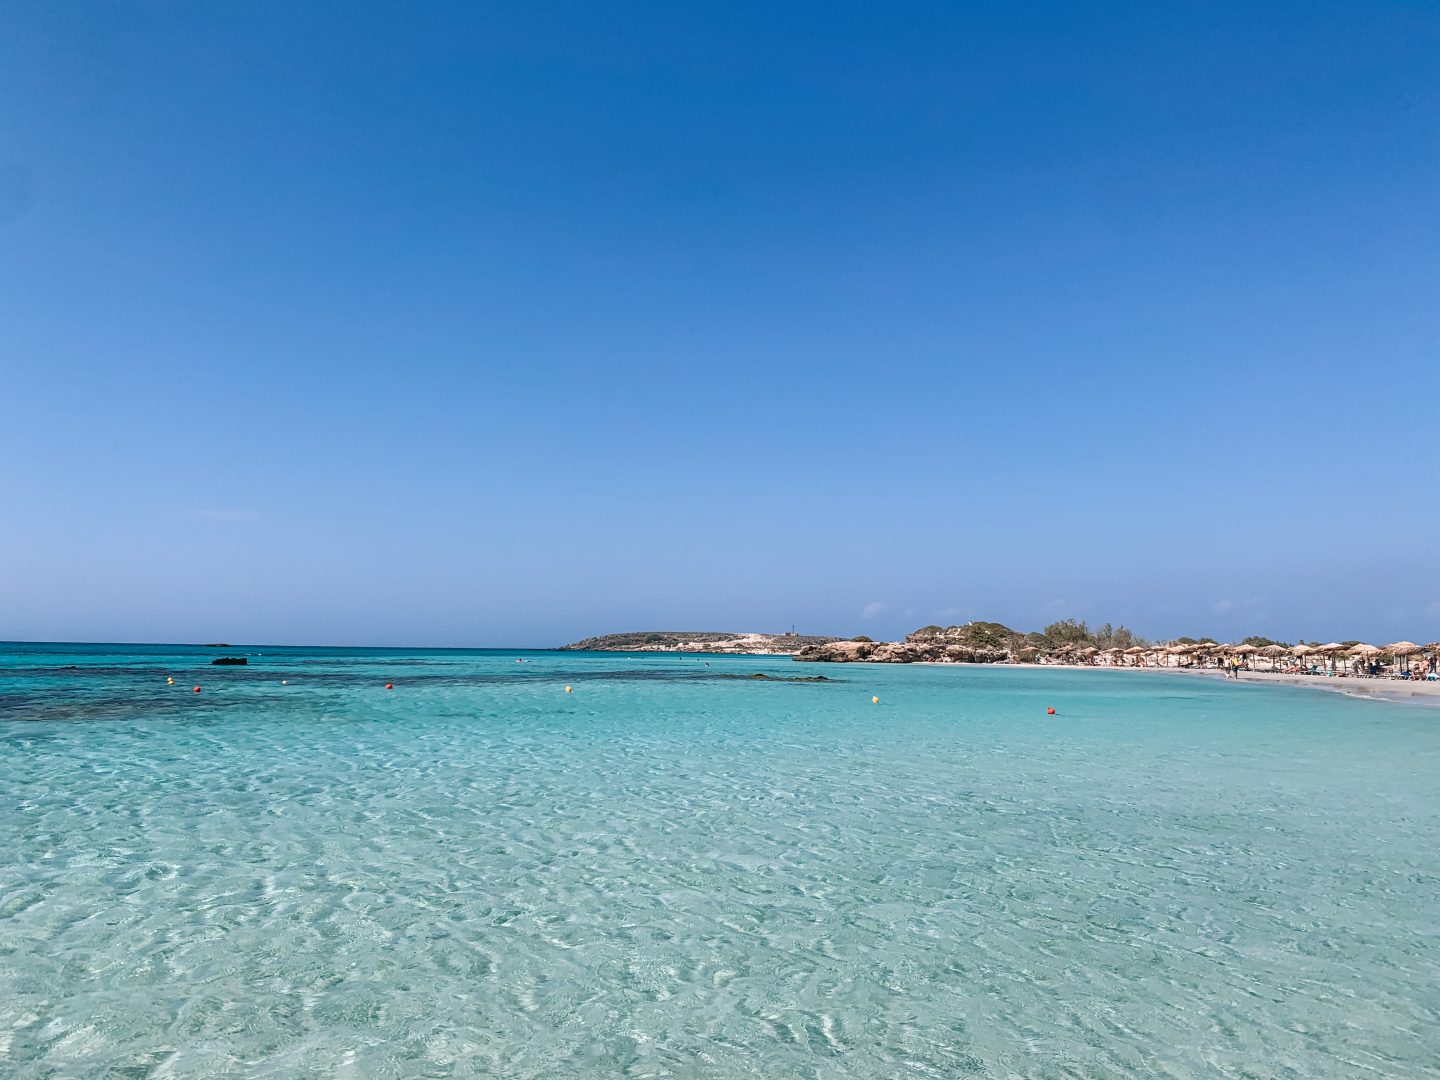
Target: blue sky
509, 324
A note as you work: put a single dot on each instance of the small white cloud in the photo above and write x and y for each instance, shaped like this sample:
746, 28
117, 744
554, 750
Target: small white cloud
951, 612
909, 611
229, 517
1220, 607
869, 611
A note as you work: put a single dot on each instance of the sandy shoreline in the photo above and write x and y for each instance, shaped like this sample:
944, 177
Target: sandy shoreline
1416, 693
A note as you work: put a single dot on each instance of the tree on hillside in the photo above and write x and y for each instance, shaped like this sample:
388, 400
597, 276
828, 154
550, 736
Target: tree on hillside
989, 635
1114, 637
1068, 632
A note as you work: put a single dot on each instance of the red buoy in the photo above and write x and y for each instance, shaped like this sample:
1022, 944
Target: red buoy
1051, 710
389, 686
197, 689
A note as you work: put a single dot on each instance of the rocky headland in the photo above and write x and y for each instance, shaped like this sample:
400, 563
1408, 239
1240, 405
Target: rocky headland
973, 643
706, 641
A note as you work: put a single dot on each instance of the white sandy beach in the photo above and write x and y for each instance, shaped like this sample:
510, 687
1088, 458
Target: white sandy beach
1418, 692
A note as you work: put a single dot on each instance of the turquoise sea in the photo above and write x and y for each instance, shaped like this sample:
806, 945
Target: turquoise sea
677, 871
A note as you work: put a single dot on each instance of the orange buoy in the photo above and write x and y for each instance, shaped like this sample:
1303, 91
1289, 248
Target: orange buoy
1051, 710
874, 700
567, 689
197, 689
389, 686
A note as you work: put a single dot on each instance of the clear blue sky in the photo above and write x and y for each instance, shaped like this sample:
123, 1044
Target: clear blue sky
495, 324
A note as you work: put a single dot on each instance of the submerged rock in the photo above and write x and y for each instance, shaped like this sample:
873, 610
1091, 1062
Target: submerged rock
230, 660
778, 678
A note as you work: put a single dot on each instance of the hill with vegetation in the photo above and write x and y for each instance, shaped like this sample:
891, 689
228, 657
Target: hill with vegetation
975, 643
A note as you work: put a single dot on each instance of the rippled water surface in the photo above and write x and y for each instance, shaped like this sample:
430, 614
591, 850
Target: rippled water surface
675, 872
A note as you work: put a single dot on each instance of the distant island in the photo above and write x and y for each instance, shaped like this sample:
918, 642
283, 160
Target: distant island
708, 641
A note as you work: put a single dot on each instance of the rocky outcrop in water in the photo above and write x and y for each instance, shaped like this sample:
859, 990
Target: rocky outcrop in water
973, 643
898, 652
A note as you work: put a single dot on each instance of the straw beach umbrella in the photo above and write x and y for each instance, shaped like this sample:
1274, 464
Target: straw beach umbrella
1402, 650
1363, 652
1192, 650
1433, 651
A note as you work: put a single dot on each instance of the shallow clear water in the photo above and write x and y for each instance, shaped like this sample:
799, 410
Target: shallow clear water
671, 872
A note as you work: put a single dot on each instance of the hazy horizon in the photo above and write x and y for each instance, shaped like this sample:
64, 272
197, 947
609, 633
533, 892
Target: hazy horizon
550, 646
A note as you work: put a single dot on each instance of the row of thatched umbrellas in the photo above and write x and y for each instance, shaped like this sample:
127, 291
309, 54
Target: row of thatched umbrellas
1359, 652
